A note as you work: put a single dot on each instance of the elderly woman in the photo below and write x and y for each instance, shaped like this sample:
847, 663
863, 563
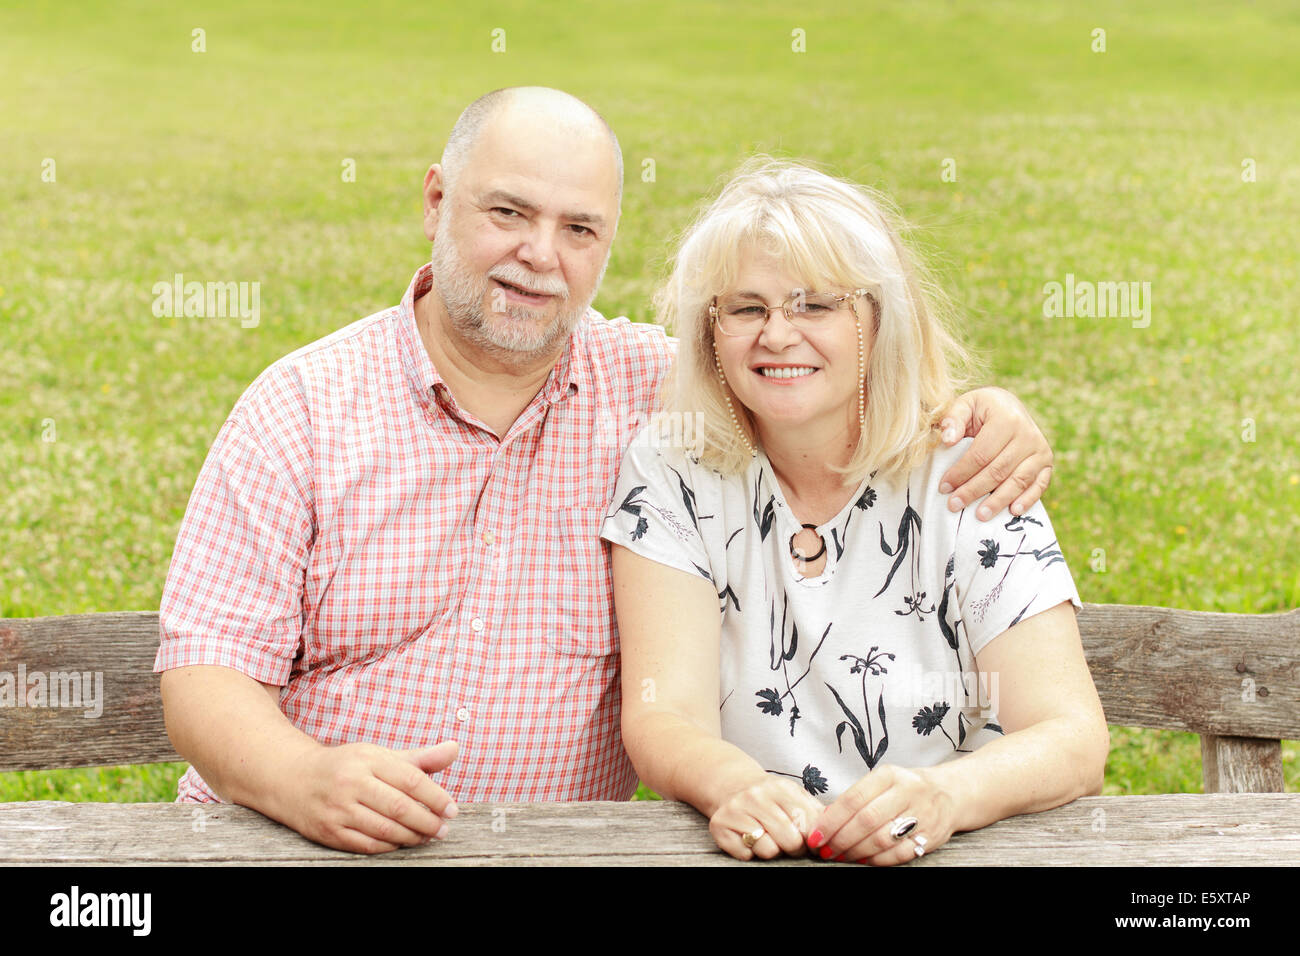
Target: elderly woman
817, 653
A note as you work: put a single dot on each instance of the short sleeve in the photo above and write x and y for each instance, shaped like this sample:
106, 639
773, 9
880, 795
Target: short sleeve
655, 512
1006, 570
234, 589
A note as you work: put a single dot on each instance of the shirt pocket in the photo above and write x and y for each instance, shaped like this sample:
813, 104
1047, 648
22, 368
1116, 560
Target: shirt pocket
580, 607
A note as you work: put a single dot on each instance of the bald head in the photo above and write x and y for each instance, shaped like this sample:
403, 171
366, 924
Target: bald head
563, 112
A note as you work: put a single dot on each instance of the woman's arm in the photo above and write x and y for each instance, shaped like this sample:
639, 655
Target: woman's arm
1054, 751
1056, 738
669, 631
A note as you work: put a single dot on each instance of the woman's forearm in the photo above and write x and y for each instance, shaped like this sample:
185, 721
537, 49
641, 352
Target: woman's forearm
1037, 768
680, 761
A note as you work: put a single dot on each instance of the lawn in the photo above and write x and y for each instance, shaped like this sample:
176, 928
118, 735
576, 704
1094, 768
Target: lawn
1022, 153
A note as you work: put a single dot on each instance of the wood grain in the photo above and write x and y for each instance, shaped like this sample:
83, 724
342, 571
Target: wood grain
1235, 675
120, 646
1241, 765
1163, 830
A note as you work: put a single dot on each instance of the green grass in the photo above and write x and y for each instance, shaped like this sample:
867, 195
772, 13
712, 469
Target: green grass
1116, 166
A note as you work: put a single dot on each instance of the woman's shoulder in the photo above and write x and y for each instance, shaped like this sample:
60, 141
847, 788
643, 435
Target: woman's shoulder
670, 447
926, 477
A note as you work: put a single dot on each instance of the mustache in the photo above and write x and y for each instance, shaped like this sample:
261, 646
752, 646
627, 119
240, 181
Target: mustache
518, 276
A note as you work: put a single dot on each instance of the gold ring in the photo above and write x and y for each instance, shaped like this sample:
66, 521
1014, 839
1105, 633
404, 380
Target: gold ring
749, 839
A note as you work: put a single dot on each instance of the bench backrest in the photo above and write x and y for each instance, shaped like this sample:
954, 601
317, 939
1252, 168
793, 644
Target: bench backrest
1232, 678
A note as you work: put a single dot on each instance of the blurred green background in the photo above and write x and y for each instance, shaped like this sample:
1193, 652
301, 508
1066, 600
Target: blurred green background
1178, 470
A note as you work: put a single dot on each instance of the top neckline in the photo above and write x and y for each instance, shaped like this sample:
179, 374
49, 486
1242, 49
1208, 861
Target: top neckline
791, 525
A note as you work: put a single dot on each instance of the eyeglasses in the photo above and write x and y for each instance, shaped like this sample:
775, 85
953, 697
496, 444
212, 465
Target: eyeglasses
746, 315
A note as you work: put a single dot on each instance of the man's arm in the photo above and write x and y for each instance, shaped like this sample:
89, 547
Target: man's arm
357, 797
1009, 457
234, 593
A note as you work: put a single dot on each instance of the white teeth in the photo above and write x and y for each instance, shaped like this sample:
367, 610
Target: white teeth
516, 288
786, 372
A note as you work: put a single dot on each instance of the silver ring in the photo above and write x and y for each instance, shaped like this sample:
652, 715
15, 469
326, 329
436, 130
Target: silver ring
920, 842
902, 826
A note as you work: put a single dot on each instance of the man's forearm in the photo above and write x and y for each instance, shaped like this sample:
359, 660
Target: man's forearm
233, 731
1038, 768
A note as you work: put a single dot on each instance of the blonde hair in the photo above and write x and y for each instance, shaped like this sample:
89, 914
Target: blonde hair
831, 233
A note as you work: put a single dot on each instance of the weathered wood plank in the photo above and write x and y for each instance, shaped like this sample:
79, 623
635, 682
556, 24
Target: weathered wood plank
1241, 765
1229, 674
119, 648
1163, 830
1225, 674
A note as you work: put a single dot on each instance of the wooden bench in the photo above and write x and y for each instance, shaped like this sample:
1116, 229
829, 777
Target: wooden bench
1232, 678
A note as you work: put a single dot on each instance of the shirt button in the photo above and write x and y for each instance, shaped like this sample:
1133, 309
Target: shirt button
477, 624
463, 714
487, 537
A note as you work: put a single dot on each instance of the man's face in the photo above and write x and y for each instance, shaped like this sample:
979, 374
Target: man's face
522, 239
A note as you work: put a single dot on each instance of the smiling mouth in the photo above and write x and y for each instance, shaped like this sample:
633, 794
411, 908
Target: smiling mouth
527, 295
793, 372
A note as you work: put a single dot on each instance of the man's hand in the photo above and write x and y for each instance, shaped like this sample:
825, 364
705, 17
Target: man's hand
366, 798
1009, 457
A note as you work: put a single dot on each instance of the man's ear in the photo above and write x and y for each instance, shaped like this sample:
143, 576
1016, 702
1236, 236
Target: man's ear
434, 194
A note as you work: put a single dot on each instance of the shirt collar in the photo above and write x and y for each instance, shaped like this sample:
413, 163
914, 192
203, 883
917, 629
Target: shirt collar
571, 373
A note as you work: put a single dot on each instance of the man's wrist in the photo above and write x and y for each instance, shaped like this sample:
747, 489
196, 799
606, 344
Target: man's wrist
269, 789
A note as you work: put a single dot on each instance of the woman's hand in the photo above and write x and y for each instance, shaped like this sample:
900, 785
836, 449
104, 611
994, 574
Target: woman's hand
781, 809
856, 826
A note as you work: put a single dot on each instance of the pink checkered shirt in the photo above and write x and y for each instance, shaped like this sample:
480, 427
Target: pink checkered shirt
357, 538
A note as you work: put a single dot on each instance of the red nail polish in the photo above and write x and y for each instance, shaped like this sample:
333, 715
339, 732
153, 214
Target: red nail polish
826, 853
815, 839
840, 858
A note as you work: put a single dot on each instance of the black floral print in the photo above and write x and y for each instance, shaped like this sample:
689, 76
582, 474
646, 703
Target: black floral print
780, 652
811, 778
817, 700
870, 750
908, 525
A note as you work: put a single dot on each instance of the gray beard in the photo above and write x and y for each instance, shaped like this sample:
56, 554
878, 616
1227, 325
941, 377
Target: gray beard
510, 333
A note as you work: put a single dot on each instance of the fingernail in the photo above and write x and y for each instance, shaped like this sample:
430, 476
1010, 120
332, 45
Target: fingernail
954, 504
945, 488
840, 858
983, 514
442, 832
826, 853
815, 839
450, 812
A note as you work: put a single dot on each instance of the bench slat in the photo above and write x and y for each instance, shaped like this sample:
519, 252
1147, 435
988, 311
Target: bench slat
121, 647
1235, 675
1224, 675
1241, 765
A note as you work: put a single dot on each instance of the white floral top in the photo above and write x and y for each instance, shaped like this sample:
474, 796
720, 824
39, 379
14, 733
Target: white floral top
870, 662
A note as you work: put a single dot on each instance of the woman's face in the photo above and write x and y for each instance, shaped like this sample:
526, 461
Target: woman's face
821, 381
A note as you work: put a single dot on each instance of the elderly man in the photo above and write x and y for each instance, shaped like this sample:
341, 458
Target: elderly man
389, 566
